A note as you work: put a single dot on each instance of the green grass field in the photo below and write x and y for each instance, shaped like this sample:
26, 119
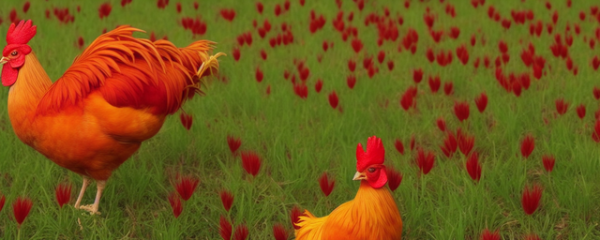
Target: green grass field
299, 139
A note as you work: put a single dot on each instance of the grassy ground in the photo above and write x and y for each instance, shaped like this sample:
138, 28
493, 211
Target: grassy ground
299, 139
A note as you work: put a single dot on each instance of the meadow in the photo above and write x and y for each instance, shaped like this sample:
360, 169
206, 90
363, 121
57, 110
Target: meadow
300, 137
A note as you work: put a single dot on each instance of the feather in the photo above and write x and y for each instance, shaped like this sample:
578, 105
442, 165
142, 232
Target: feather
130, 72
371, 215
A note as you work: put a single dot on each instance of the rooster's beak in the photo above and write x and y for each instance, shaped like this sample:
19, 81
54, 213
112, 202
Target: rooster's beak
359, 176
3, 60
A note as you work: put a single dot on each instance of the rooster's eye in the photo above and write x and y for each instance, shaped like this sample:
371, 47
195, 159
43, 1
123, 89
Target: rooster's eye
371, 170
14, 53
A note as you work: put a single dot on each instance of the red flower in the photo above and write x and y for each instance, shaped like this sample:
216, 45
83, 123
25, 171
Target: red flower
186, 187
481, 101
63, 194
417, 75
596, 133
326, 184
234, 143
236, 54
430, 55
333, 99
13, 16
228, 14
596, 92
368, 62
407, 99
295, 216
277, 10
279, 232
399, 146
381, 56
104, 10
152, 37
301, 90
2, 201
461, 110
125, 2
186, 120
394, 178
268, 89
259, 75
527, 146
21, 208
390, 65
225, 228
448, 88
531, 199
465, 142
259, 7
162, 4
450, 144
80, 42
178, 7
241, 40
502, 46
425, 160
241, 232
263, 54
548, 161
226, 199
357, 45
487, 235
26, 7
304, 73
454, 32
351, 65
434, 83
175, 204
251, 162
462, 54
473, 166
561, 106
318, 86
351, 81
581, 111
441, 123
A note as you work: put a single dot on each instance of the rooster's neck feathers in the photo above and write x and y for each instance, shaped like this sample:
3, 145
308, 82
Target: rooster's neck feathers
31, 85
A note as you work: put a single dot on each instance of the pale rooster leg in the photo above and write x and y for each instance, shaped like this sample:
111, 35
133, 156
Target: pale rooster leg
93, 209
86, 182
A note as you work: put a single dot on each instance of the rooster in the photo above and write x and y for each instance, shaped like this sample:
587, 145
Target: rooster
372, 214
116, 94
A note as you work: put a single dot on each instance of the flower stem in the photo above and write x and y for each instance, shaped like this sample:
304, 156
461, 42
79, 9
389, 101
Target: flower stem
422, 186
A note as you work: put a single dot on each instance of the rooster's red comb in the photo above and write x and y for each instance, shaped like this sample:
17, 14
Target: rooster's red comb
375, 154
21, 33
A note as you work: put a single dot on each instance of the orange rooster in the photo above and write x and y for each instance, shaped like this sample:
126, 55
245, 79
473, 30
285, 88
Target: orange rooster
372, 215
116, 94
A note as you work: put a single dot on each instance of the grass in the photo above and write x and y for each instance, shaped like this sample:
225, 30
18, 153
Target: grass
300, 139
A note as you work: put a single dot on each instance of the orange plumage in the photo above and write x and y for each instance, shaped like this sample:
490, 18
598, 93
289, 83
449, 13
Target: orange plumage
372, 215
116, 94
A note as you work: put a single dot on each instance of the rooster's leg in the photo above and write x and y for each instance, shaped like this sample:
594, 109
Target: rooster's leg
93, 209
86, 182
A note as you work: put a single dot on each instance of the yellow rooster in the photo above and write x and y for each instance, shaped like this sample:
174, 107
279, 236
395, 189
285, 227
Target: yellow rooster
372, 215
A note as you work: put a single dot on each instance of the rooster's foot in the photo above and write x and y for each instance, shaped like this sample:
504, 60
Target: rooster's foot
91, 209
